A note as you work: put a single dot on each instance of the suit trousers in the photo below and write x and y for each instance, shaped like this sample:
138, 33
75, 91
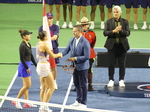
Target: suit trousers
80, 82
117, 53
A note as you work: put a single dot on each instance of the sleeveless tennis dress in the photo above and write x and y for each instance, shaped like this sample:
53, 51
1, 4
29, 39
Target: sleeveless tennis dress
43, 66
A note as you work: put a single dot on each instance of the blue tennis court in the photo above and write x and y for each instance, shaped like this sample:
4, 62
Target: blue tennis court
98, 98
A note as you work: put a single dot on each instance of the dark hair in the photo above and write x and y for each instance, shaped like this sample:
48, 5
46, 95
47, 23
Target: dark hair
79, 27
24, 32
41, 35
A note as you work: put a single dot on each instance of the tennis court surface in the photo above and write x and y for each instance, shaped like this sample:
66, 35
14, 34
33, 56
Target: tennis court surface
97, 99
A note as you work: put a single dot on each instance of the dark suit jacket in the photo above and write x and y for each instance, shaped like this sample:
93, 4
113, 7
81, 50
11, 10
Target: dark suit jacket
82, 52
109, 26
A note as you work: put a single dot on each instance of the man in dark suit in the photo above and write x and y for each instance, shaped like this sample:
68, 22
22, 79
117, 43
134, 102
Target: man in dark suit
79, 49
116, 30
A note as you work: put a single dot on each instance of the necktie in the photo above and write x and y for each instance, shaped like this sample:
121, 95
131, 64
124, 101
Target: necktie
117, 34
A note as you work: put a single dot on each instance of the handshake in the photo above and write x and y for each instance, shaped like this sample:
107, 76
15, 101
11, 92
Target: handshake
60, 55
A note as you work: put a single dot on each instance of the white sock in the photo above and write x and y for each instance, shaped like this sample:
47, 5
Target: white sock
102, 21
92, 22
57, 22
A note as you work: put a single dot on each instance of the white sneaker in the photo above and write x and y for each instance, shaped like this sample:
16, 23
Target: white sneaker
135, 27
41, 109
55, 83
102, 25
110, 83
144, 27
64, 25
70, 25
82, 106
121, 83
17, 104
46, 109
57, 23
76, 104
92, 26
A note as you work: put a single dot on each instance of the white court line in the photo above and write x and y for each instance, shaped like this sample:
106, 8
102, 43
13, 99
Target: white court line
10, 86
67, 94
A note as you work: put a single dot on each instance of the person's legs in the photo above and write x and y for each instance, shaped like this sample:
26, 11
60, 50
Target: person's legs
83, 84
51, 8
109, 13
90, 75
144, 19
26, 86
54, 72
46, 91
43, 89
64, 15
78, 9
77, 85
128, 10
57, 14
92, 14
102, 16
23, 91
112, 61
49, 81
70, 15
84, 11
121, 60
135, 10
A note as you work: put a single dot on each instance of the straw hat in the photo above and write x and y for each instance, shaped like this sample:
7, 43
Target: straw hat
84, 21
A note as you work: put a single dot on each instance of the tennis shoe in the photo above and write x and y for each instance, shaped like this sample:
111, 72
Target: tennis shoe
144, 27
76, 104
41, 109
82, 106
102, 26
110, 83
46, 109
121, 83
28, 105
57, 23
64, 25
135, 27
17, 104
92, 26
70, 25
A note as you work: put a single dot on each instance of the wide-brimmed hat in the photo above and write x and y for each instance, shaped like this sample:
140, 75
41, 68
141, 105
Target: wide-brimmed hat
84, 21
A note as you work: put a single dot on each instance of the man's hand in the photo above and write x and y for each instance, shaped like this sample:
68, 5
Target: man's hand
117, 29
71, 59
